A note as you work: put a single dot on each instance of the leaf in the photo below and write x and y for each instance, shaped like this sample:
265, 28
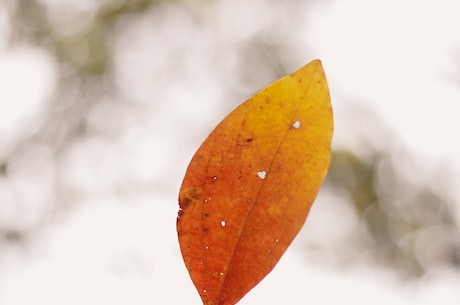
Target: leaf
250, 186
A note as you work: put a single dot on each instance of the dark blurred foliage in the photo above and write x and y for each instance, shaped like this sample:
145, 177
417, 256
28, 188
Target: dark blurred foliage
84, 60
411, 227
82, 52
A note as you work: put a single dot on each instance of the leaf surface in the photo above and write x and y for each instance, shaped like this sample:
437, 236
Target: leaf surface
250, 185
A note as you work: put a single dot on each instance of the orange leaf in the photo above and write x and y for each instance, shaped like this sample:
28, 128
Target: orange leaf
250, 186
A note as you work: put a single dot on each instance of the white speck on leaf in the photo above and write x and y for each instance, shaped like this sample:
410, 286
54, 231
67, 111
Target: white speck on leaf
262, 174
222, 223
296, 124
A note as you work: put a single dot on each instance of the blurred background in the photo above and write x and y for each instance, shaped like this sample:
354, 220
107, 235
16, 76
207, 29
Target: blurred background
103, 103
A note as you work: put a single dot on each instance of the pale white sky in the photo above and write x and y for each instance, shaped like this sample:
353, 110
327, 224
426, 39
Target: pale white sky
397, 60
